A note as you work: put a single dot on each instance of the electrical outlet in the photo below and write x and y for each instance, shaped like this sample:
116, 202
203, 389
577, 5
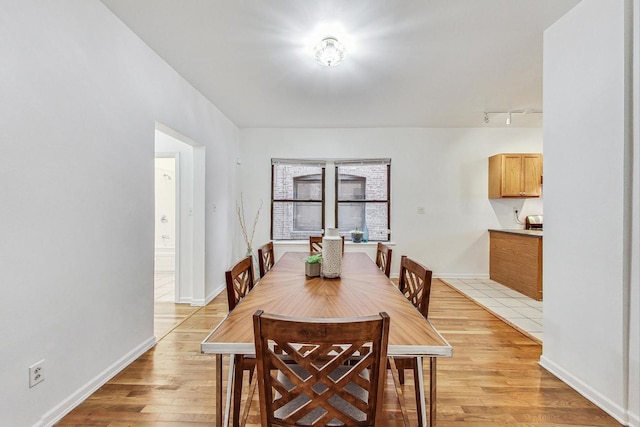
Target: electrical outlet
36, 373
515, 210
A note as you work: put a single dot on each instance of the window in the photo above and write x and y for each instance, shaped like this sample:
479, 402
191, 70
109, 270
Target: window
297, 199
351, 214
306, 216
363, 197
361, 194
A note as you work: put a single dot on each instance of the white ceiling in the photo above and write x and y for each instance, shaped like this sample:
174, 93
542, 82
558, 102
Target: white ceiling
411, 63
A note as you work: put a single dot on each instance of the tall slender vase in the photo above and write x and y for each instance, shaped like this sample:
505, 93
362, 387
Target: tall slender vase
365, 232
254, 264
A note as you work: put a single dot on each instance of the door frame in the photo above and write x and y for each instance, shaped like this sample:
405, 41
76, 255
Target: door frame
191, 216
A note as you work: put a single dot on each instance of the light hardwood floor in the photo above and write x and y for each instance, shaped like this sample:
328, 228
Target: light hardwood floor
492, 380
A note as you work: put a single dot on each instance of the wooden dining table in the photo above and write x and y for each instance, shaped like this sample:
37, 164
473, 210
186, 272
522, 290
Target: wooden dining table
361, 290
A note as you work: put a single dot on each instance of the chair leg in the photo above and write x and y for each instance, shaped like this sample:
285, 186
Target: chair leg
237, 389
416, 385
396, 382
252, 368
400, 367
250, 393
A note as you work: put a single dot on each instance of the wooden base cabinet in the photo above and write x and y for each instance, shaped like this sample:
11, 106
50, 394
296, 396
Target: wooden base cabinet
515, 260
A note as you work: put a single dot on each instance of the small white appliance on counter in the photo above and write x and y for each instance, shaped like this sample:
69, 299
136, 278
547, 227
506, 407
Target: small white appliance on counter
533, 222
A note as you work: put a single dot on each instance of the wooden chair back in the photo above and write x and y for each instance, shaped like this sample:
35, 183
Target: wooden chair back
307, 381
383, 258
415, 284
239, 281
315, 244
266, 258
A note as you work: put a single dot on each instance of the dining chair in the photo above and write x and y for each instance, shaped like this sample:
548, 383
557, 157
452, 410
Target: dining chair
315, 244
415, 284
307, 382
239, 283
383, 258
266, 258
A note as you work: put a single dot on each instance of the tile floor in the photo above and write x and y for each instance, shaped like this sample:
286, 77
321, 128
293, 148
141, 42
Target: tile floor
164, 287
520, 311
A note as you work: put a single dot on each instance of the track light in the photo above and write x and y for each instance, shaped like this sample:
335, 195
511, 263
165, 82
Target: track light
508, 113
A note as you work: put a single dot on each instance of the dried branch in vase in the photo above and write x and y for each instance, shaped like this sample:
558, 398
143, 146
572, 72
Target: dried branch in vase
248, 239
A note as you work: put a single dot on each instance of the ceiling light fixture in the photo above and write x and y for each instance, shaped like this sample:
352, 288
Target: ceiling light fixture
329, 52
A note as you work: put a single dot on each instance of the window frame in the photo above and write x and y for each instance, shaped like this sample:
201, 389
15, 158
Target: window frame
364, 201
322, 165
301, 162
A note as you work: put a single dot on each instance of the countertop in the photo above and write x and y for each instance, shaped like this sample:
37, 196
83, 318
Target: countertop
530, 233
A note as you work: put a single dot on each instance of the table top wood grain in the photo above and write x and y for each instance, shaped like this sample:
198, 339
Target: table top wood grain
361, 290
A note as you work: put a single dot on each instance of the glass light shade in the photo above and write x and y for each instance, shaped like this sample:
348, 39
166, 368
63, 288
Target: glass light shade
329, 52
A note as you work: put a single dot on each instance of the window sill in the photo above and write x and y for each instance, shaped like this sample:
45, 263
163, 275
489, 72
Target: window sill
346, 242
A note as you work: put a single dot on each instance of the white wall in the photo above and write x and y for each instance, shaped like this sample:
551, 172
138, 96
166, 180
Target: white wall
165, 203
588, 202
634, 291
165, 214
443, 170
80, 98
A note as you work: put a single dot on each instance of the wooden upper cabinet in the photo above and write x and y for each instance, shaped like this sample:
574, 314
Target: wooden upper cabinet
515, 175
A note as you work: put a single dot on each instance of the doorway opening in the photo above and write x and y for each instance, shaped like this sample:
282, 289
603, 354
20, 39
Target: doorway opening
165, 228
180, 227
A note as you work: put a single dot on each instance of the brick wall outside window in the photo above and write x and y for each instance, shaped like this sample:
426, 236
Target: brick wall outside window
295, 220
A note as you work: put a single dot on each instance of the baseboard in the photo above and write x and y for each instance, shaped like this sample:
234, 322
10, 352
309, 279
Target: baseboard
460, 276
450, 276
616, 411
209, 298
66, 406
